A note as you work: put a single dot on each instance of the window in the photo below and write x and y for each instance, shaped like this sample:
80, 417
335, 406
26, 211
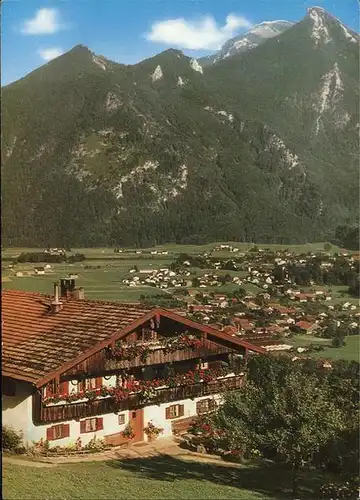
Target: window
204, 366
205, 406
121, 419
91, 425
90, 383
58, 432
174, 411
50, 389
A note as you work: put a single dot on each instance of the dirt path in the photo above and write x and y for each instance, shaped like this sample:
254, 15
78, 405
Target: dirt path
27, 463
166, 446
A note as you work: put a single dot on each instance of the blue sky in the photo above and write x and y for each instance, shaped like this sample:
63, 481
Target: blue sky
127, 31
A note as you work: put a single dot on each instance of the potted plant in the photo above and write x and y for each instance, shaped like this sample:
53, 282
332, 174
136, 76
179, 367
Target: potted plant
152, 432
128, 432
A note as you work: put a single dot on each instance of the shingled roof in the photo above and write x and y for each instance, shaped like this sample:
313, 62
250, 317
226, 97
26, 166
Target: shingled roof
37, 343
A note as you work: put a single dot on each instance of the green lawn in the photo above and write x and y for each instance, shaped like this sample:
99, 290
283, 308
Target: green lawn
160, 477
350, 351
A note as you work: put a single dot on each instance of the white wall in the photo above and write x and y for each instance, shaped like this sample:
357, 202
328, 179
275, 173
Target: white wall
157, 413
17, 412
111, 426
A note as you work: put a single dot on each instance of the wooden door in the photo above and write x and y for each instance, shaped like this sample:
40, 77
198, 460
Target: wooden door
136, 420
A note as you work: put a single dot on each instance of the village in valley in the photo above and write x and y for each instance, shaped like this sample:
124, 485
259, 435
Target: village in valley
266, 296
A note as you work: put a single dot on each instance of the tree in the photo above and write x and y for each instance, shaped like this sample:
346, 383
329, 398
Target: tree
240, 293
338, 340
195, 282
293, 415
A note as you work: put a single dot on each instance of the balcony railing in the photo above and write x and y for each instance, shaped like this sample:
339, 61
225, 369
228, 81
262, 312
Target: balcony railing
58, 413
158, 356
101, 362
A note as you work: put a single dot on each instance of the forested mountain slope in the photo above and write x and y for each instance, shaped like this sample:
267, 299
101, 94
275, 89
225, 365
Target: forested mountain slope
260, 146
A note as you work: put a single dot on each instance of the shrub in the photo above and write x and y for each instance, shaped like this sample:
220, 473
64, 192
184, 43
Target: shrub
346, 490
39, 448
338, 341
152, 430
95, 444
128, 432
11, 440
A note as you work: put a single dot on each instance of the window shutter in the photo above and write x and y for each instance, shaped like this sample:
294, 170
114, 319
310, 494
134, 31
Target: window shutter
167, 413
99, 424
64, 388
81, 385
82, 426
50, 434
65, 430
98, 382
181, 410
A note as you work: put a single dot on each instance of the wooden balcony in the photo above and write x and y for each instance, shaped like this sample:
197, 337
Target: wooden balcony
59, 413
158, 357
100, 363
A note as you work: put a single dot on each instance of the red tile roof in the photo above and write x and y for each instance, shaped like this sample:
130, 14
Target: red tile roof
305, 325
244, 323
36, 342
230, 329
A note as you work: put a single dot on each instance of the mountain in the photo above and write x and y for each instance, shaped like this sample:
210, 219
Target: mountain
254, 37
262, 146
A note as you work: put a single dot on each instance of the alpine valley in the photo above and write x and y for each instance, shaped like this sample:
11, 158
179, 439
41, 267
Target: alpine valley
257, 143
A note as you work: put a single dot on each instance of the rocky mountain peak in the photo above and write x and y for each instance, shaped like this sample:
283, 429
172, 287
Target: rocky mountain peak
323, 23
251, 39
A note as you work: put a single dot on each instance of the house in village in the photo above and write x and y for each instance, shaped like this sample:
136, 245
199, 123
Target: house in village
73, 367
307, 326
39, 271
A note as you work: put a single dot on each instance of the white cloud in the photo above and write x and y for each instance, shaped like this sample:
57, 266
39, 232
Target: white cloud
203, 34
45, 22
50, 53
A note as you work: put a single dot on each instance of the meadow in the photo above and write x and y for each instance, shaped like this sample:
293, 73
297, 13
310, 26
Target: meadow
102, 272
350, 351
155, 478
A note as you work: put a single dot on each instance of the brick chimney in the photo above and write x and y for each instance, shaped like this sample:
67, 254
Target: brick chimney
79, 293
56, 305
68, 289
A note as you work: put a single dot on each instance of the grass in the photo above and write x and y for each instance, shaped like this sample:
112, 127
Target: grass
102, 282
160, 477
349, 352
176, 249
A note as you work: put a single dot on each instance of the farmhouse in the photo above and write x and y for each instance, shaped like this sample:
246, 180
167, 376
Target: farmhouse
73, 367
